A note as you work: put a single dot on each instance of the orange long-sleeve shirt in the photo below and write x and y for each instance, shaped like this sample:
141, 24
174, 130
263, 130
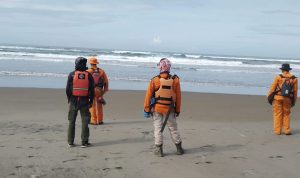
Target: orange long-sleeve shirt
92, 69
153, 86
278, 81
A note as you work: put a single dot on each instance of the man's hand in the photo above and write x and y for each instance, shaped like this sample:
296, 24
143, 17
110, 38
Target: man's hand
147, 114
90, 105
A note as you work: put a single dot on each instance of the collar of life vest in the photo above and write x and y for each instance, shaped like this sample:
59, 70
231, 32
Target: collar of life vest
164, 75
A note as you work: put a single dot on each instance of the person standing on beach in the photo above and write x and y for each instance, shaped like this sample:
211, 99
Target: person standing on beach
80, 93
285, 88
165, 89
100, 88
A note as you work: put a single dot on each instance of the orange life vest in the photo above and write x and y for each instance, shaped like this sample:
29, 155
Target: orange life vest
98, 78
165, 95
80, 83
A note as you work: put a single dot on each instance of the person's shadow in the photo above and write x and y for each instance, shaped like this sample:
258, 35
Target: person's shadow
212, 148
295, 131
124, 141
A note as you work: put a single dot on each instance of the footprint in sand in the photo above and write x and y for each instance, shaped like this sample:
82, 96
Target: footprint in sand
71, 160
145, 133
58, 168
118, 167
206, 162
82, 156
249, 172
30, 156
276, 157
18, 167
238, 157
207, 148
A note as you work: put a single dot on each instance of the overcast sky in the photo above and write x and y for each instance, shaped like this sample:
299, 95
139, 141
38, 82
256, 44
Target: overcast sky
233, 27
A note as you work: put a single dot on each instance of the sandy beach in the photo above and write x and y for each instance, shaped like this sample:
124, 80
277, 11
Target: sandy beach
223, 136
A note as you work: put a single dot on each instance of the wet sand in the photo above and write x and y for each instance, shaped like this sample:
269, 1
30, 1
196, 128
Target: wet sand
223, 135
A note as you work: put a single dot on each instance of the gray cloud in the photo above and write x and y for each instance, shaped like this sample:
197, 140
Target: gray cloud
65, 14
89, 8
279, 30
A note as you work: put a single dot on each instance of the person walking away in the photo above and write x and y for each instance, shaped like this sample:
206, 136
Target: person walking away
165, 88
285, 88
80, 94
100, 88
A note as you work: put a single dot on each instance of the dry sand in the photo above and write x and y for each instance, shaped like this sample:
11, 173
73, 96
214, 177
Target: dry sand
223, 135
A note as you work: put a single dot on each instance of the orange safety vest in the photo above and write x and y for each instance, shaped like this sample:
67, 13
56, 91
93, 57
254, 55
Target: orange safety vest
165, 95
80, 83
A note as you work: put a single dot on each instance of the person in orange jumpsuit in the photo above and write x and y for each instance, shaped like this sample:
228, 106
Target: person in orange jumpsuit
165, 88
285, 86
101, 87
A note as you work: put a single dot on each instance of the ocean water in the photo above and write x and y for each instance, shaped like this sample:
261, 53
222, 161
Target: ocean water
48, 67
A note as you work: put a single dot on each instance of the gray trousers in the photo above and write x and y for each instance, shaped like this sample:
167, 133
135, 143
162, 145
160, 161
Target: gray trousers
158, 120
85, 120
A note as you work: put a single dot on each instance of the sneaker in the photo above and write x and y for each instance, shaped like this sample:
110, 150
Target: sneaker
84, 145
71, 145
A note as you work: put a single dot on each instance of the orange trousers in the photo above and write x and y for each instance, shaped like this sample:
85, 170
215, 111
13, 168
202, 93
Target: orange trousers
97, 110
281, 115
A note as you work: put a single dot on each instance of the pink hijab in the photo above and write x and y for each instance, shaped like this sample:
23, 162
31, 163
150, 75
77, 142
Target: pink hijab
164, 65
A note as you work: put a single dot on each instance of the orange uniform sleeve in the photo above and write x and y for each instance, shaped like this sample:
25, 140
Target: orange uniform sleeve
106, 82
148, 96
178, 95
295, 90
273, 86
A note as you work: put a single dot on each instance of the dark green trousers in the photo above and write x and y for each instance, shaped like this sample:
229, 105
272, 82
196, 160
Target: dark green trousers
85, 119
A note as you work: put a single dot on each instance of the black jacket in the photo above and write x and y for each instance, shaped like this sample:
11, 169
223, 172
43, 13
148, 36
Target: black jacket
80, 100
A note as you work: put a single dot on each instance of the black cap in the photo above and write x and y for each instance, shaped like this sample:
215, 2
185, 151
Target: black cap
286, 67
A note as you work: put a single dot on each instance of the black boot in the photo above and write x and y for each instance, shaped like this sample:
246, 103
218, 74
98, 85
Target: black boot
158, 151
180, 151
